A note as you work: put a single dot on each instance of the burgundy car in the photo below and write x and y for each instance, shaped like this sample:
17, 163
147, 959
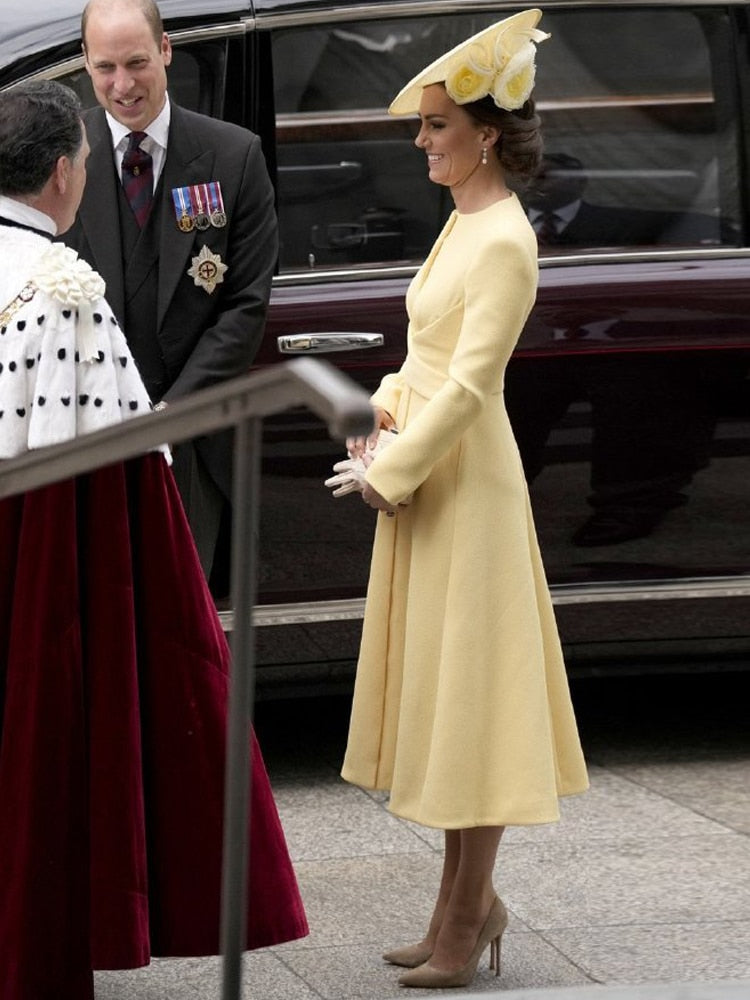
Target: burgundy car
629, 388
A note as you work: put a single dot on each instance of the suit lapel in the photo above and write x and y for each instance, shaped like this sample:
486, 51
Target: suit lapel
187, 163
99, 213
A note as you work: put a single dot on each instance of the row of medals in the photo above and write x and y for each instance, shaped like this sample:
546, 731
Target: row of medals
187, 223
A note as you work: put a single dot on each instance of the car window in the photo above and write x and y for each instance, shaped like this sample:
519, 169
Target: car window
638, 123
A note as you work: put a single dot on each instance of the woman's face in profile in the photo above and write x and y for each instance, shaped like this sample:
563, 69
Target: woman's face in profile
451, 139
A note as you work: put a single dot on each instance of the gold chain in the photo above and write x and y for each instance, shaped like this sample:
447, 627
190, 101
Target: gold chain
26, 294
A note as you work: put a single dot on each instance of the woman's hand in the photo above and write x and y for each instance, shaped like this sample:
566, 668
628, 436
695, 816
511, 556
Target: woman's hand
382, 420
373, 499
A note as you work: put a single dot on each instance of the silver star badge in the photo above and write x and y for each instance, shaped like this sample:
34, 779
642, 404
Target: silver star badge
207, 270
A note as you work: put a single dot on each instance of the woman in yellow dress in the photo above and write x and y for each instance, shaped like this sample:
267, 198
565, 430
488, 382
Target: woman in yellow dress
461, 706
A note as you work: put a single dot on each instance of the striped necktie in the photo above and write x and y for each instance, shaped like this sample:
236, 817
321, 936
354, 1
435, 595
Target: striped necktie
138, 177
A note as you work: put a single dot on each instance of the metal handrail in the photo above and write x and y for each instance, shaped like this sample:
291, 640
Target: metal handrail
240, 403
304, 381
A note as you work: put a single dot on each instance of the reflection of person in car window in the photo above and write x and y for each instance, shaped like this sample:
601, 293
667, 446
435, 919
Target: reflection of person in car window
650, 421
561, 215
638, 473
360, 66
461, 708
373, 55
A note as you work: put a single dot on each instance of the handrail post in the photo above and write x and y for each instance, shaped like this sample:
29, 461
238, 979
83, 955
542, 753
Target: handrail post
235, 863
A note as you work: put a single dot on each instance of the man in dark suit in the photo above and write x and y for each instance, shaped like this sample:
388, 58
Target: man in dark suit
178, 217
637, 473
561, 216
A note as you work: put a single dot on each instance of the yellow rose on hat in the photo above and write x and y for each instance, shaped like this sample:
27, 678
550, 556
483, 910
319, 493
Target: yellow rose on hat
471, 80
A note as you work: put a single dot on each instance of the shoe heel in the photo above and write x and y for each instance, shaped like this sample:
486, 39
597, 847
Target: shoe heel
495, 954
428, 977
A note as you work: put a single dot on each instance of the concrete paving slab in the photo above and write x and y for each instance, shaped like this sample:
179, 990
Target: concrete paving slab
642, 878
330, 819
432, 838
658, 952
264, 977
357, 972
717, 789
734, 990
379, 901
600, 813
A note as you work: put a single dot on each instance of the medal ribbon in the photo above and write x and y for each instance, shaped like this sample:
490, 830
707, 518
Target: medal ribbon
179, 197
217, 202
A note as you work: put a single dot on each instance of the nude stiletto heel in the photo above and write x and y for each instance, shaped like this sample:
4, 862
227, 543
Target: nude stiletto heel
427, 976
495, 954
410, 956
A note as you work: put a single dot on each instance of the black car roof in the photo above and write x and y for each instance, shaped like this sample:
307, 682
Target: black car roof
31, 26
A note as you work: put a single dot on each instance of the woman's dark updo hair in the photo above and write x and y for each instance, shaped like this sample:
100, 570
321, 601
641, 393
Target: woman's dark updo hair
519, 146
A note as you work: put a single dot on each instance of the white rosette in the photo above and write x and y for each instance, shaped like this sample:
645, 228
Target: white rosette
72, 282
66, 367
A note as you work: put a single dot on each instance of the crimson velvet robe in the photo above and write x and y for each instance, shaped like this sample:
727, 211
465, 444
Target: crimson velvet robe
113, 697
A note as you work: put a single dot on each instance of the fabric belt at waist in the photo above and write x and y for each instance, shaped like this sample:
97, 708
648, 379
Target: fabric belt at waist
425, 380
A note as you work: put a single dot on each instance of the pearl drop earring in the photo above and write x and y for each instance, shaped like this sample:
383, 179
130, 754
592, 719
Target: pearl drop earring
484, 156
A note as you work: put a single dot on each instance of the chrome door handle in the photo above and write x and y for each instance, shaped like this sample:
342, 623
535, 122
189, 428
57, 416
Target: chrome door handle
322, 343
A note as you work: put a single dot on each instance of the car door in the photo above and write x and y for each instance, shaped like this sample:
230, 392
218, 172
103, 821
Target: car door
630, 380
629, 384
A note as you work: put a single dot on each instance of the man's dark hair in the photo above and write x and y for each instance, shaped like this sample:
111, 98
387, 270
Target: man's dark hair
40, 121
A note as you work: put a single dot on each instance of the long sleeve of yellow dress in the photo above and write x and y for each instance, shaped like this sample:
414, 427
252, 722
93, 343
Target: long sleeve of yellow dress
486, 291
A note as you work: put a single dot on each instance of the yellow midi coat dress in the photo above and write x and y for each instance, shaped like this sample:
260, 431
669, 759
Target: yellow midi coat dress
461, 705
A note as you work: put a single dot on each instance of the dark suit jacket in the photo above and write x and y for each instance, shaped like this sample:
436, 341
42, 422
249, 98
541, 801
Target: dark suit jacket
603, 226
204, 338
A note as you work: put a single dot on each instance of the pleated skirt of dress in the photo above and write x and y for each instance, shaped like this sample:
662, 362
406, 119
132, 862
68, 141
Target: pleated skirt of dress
113, 695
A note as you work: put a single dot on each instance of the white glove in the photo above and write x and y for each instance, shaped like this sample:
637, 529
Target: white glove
350, 472
350, 477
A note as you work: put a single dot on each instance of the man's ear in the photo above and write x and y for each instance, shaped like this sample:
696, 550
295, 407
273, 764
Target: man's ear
60, 174
166, 49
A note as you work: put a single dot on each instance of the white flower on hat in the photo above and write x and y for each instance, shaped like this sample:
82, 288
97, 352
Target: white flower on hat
508, 74
513, 84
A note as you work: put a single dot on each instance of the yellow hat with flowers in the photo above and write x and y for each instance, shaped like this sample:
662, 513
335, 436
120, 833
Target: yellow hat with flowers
498, 61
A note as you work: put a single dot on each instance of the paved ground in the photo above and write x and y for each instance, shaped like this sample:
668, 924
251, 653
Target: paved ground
646, 879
